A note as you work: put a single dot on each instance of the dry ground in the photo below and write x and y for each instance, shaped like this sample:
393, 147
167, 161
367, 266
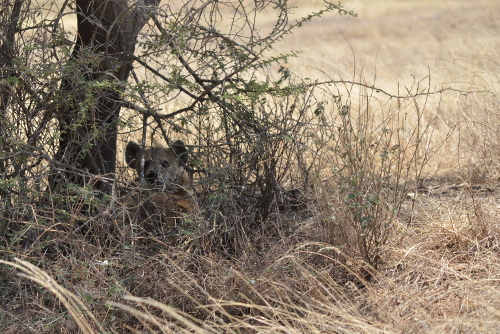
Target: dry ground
442, 272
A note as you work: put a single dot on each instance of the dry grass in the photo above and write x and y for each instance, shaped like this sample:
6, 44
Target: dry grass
441, 267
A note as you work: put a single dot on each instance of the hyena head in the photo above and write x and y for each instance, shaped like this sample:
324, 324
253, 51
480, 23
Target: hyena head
162, 166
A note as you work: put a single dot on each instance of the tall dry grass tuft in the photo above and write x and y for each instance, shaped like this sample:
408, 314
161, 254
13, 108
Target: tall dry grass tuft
444, 277
76, 308
480, 135
295, 292
374, 165
292, 295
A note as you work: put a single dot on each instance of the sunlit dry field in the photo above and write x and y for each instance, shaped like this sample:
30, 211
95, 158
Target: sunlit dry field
399, 45
442, 269
394, 43
409, 46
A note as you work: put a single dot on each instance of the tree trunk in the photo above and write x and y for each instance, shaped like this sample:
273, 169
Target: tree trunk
91, 90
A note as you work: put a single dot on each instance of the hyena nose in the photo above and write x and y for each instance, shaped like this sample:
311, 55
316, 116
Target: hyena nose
151, 176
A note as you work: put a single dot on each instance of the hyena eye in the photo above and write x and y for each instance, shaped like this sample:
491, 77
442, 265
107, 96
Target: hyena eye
165, 163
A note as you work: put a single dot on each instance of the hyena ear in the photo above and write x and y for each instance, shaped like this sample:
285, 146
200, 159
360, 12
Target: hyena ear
181, 151
131, 153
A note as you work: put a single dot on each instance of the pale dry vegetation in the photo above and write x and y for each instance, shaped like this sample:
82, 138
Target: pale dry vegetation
383, 216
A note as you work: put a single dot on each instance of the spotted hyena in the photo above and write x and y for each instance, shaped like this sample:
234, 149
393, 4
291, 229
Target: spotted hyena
165, 198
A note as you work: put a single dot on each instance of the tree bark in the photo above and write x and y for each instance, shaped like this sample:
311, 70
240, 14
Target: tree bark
99, 67
8, 51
